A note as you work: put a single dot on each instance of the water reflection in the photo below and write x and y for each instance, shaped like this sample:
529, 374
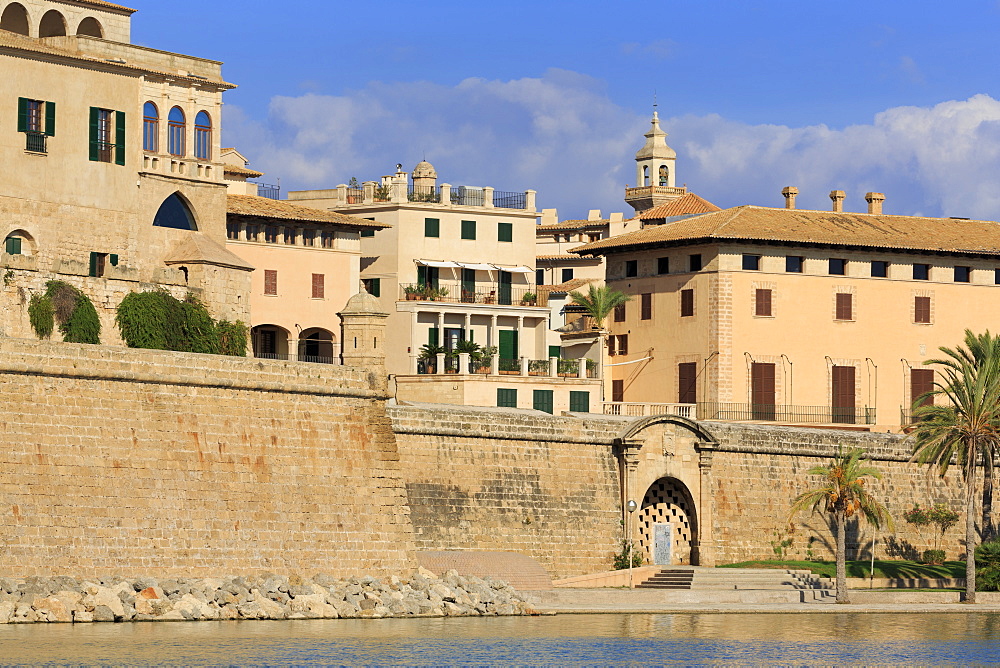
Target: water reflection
899, 639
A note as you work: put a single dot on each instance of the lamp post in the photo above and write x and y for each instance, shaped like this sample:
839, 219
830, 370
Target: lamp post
631, 505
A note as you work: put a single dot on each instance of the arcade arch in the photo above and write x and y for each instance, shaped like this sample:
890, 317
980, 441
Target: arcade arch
90, 27
15, 19
53, 24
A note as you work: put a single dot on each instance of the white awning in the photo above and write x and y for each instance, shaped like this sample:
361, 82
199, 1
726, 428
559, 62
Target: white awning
477, 267
515, 270
443, 265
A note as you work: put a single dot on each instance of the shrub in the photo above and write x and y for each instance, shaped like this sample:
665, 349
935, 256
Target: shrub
66, 306
988, 566
934, 557
620, 560
233, 338
156, 320
42, 316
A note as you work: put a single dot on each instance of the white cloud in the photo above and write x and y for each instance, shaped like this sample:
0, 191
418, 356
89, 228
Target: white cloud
562, 135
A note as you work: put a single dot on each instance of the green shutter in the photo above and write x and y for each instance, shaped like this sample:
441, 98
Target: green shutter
22, 114
95, 149
93, 264
432, 337
50, 119
375, 287
579, 402
541, 400
506, 398
113, 259
508, 344
432, 227
469, 229
505, 232
13, 246
555, 351
120, 137
367, 233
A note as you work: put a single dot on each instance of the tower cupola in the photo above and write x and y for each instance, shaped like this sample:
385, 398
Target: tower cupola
655, 177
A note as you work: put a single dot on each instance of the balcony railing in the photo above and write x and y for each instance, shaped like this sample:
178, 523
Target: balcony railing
635, 409
646, 191
462, 363
310, 359
34, 142
455, 292
737, 412
509, 367
538, 367
423, 194
268, 190
510, 200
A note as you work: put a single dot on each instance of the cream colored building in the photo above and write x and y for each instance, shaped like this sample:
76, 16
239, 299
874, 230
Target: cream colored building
793, 316
112, 177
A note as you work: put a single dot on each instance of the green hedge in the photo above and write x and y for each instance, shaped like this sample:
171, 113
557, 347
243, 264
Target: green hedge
67, 307
158, 321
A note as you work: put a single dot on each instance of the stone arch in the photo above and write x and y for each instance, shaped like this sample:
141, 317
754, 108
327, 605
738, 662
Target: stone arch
664, 175
668, 502
90, 27
53, 24
176, 213
269, 342
634, 427
317, 344
15, 19
645, 175
19, 242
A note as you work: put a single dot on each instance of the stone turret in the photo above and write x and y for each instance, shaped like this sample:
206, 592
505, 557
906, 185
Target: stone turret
363, 334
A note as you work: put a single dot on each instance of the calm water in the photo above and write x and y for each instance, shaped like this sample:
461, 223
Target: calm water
566, 640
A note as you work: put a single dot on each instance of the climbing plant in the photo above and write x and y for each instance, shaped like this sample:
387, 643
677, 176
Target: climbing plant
67, 307
159, 321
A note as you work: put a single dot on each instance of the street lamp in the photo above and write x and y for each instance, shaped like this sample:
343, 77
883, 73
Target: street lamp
631, 505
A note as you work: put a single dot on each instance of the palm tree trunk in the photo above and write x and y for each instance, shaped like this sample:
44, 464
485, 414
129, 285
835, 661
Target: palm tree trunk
970, 538
841, 521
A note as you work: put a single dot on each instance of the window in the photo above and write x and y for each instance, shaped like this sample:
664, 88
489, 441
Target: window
539, 277
762, 394
751, 262
793, 264
373, 286
175, 213
921, 383
579, 402
203, 136
432, 227
541, 400
838, 266
505, 232
880, 269
618, 390
845, 306
996, 276
567, 275
963, 274
622, 344
687, 383
612, 346
842, 394
506, 398
555, 351
271, 234
232, 230
289, 236
270, 282
631, 268
99, 263
646, 306
469, 229
921, 272
37, 120
326, 239
762, 303
367, 233
318, 286
308, 237
12, 246
694, 262
150, 127
620, 313
176, 133
687, 303
663, 265
922, 310
594, 236
107, 136
252, 232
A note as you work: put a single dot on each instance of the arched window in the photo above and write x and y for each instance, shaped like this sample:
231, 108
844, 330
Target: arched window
15, 19
664, 175
645, 175
53, 25
175, 214
18, 242
203, 136
176, 132
90, 27
150, 127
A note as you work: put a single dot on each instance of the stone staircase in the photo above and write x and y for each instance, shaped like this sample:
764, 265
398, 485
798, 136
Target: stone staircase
693, 578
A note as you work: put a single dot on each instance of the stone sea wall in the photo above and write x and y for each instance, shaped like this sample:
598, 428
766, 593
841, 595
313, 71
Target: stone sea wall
129, 461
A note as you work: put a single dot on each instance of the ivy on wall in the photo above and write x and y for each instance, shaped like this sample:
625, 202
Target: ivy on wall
158, 321
64, 306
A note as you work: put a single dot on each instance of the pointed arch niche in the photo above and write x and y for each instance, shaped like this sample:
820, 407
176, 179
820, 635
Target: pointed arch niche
175, 213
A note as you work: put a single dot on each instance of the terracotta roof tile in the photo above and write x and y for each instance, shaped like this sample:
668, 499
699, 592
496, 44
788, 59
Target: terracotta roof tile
264, 207
242, 171
558, 258
568, 286
797, 226
689, 203
107, 5
573, 225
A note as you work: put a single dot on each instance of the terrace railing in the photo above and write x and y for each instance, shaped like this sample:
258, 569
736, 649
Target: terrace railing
740, 412
455, 292
637, 409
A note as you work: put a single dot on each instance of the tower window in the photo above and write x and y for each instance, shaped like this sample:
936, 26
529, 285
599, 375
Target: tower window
203, 136
150, 127
664, 175
645, 175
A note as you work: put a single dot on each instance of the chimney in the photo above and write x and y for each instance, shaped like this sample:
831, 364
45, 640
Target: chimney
874, 202
838, 200
616, 217
550, 216
789, 192
594, 214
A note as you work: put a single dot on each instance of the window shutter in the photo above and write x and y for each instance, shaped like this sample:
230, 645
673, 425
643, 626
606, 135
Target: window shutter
50, 119
922, 309
763, 305
687, 303
113, 259
468, 229
542, 400
612, 350
623, 344
374, 287
505, 232
318, 286
647, 306
687, 379
22, 114
432, 337
95, 148
506, 398
93, 264
119, 137
270, 282
432, 227
555, 351
618, 390
620, 313
13, 246
579, 402
845, 306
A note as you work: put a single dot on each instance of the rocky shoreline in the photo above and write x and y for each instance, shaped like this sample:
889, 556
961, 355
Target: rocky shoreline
146, 599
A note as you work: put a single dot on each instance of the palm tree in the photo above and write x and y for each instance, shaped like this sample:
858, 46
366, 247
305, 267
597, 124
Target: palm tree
977, 348
599, 303
965, 430
843, 494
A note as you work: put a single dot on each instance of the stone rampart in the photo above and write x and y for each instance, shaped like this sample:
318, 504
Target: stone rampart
167, 464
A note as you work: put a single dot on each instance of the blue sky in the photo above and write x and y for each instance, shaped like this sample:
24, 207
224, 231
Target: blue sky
898, 97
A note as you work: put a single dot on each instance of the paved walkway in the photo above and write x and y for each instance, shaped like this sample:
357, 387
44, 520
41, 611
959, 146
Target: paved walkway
772, 608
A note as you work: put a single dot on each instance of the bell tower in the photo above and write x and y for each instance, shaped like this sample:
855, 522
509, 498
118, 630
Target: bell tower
655, 175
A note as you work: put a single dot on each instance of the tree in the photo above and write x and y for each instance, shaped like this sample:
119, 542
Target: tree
965, 430
599, 302
843, 494
942, 517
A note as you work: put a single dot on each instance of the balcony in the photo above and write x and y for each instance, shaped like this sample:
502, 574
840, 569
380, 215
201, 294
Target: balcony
455, 292
34, 142
634, 409
465, 364
650, 191
309, 359
736, 412
371, 192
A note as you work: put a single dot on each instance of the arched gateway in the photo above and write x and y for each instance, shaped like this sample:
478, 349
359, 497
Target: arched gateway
666, 468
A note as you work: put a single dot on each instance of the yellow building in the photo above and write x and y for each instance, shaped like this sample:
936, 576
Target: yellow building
793, 316
110, 153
